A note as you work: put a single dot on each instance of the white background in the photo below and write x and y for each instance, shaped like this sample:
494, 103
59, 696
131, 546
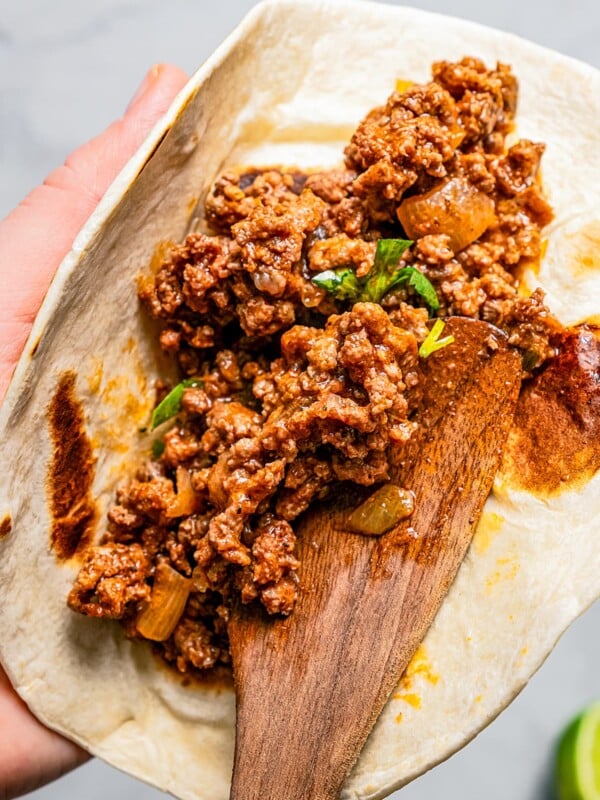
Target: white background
68, 68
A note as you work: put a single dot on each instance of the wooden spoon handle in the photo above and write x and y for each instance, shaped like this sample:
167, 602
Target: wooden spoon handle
310, 687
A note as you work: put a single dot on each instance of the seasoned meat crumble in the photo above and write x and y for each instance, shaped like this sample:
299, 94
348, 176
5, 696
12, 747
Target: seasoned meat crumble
295, 388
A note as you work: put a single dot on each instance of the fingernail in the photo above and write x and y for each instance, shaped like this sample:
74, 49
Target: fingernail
146, 85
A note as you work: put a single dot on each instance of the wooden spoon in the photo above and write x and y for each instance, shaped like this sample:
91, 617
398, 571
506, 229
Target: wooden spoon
310, 687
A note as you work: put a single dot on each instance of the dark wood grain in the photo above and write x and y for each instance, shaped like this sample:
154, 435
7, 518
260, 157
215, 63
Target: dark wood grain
310, 687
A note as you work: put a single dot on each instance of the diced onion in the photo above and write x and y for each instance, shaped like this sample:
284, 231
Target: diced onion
380, 512
185, 499
456, 208
170, 593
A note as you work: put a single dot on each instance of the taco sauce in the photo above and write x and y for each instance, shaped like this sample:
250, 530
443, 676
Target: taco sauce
555, 440
299, 318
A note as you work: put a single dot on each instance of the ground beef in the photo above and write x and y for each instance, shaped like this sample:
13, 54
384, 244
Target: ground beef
413, 136
112, 578
297, 390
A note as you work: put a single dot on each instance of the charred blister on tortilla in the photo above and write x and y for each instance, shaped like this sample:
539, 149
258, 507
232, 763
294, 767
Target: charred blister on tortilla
5, 526
71, 472
299, 322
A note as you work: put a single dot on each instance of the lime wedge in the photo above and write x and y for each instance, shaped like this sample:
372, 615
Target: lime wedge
578, 758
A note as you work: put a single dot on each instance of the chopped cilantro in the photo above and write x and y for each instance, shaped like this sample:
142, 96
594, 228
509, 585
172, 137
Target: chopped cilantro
341, 283
383, 276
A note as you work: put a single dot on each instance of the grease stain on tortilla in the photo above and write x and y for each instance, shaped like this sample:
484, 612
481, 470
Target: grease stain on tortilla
584, 250
403, 85
5, 526
94, 379
157, 259
419, 669
412, 699
507, 568
490, 525
126, 402
70, 472
555, 440
191, 206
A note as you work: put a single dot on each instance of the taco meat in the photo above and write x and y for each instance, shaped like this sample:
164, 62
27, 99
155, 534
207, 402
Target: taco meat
298, 318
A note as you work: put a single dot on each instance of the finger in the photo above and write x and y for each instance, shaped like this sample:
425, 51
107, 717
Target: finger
37, 235
31, 754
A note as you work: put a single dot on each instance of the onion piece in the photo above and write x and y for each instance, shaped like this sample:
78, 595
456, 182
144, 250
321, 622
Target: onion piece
170, 593
184, 503
382, 510
455, 208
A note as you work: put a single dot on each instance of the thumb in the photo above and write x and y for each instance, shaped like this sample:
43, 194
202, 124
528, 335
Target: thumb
36, 236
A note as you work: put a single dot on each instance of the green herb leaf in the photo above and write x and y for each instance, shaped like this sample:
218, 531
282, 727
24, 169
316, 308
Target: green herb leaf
433, 341
382, 275
158, 448
423, 286
170, 406
341, 283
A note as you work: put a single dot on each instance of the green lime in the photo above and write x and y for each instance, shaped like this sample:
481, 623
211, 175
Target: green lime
578, 757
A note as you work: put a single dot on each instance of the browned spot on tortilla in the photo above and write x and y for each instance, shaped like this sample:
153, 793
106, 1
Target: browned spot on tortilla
5, 526
33, 350
70, 473
555, 441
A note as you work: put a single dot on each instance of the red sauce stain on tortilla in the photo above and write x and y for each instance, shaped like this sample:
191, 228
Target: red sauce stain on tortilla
5, 526
555, 441
70, 473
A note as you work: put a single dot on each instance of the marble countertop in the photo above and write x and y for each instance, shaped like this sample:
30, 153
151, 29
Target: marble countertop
67, 69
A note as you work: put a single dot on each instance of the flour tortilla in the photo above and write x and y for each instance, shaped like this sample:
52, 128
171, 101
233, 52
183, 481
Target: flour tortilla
287, 87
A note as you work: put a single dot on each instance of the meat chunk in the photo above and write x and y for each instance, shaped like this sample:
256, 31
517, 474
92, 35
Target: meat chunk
193, 645
412, 136
342, 251
271, 239
486, 98
236, 194
273, 551
112, 579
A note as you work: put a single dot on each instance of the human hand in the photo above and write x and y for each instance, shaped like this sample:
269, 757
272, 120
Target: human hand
34, 239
